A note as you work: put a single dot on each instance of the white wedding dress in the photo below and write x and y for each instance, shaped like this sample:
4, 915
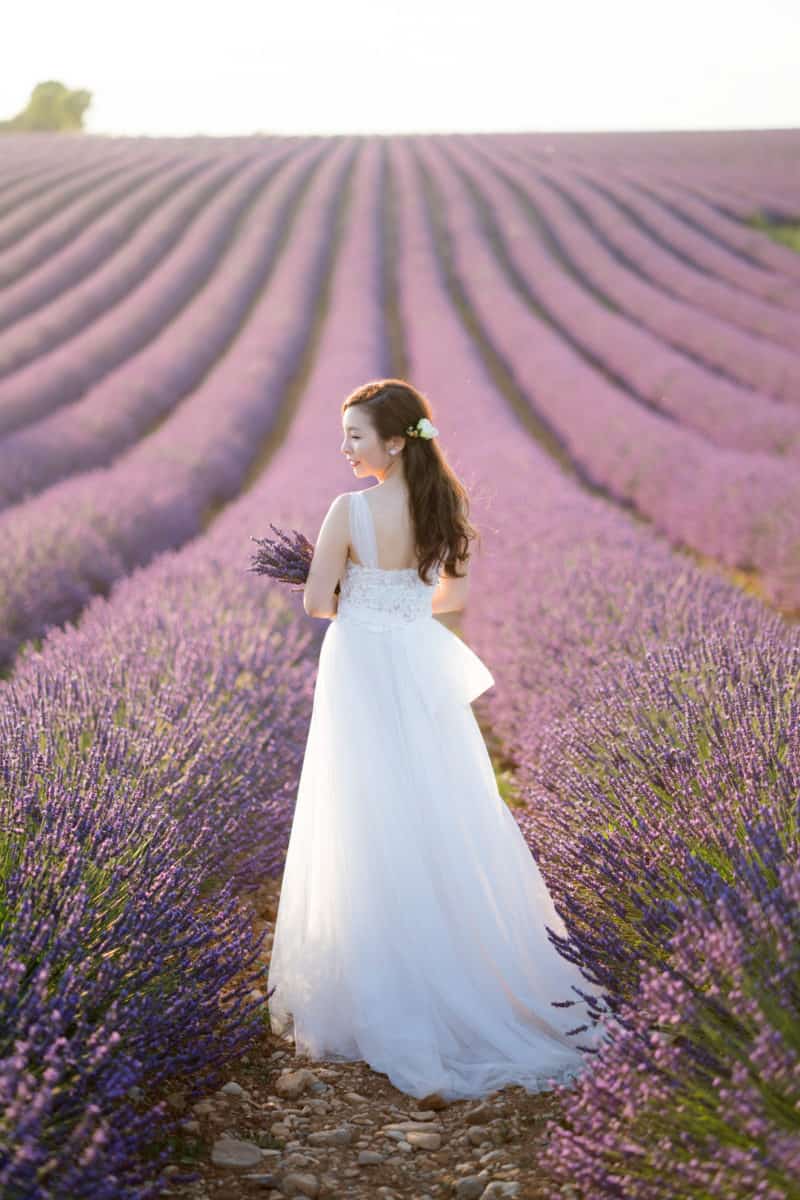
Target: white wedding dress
410, 931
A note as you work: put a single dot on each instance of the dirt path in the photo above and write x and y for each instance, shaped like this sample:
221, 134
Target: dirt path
286, 1126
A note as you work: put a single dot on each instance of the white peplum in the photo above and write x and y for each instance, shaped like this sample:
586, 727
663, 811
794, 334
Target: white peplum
410, 931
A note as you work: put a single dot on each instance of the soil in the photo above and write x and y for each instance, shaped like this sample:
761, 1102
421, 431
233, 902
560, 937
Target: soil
286, 1125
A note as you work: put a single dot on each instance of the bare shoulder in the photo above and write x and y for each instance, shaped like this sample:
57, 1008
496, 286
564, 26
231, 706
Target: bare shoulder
339, 504
338, 513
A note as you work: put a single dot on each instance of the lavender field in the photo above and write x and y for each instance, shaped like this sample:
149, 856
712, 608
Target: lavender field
608, 329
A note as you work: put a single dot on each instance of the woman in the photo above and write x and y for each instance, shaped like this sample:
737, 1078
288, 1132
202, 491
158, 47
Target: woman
411, 927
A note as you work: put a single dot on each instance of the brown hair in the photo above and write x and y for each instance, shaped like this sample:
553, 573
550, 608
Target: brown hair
439, 500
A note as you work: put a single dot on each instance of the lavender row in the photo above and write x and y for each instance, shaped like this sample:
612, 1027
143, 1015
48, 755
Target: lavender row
40, 200
84, 533
148, 759
601, 245
690, 264
699, 1095
692, 806
748, 258
743, 509
653, 372
130, 299
759, 165
170, 723
141, 364
488, 446
42, 259
650, 710
566, 583
52, 260
678, 305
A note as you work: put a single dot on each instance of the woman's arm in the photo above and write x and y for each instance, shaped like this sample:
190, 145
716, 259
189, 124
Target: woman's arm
451, 592
328, 561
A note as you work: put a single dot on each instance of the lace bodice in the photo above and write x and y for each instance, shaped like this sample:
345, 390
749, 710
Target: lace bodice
376, 596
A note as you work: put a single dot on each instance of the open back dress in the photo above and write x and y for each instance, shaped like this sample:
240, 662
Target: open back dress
410, 930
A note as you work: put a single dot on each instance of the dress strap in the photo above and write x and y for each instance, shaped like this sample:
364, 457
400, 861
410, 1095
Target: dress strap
362, 530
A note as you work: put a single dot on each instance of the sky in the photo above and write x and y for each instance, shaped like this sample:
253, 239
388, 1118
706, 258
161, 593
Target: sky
176, 68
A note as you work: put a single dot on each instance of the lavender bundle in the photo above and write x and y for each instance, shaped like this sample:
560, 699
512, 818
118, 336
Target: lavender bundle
284, 558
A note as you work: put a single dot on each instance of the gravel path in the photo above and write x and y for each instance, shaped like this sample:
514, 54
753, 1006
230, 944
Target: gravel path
283, 1125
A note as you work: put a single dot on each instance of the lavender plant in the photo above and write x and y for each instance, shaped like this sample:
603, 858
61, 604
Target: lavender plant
634, 804
87, 531
151, 754
698, 1094
148, 762
284, 558
175, 714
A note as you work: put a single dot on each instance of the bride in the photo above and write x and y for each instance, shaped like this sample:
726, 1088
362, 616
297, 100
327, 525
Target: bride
411, 930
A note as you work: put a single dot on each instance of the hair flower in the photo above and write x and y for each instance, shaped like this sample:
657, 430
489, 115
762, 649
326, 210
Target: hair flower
423, 428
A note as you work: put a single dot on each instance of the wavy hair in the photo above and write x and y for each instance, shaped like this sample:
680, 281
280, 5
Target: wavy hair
439, 500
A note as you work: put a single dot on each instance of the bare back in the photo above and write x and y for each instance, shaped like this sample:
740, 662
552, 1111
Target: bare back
394, 531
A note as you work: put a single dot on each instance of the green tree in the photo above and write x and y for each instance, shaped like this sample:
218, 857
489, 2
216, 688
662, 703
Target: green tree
52, 106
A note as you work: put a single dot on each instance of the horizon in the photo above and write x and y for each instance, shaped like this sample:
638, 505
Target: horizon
283, 72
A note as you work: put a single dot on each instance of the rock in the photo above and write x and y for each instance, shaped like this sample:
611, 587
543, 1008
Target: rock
425, 1141
499, 1188
477, 1116
233, 1089
231, 1152
477, 1134
434, 1100
292, 1084
295, 1162
300, 1183
369, 1158
203, 1108
355, 1098
405, 1126
342, 1136
470, 1187
427, 1115
262, 1179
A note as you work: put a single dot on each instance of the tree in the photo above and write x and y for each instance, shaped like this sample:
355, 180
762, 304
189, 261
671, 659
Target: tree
52, 106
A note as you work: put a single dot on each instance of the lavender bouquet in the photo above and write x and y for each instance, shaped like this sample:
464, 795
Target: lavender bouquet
284, 558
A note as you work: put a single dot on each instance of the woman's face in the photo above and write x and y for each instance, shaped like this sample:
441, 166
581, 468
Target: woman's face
362, 447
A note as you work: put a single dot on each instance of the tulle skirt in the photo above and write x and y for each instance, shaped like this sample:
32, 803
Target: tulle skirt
410, 931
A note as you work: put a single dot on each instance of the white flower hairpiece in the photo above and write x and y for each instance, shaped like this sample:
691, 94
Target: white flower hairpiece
423, 428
